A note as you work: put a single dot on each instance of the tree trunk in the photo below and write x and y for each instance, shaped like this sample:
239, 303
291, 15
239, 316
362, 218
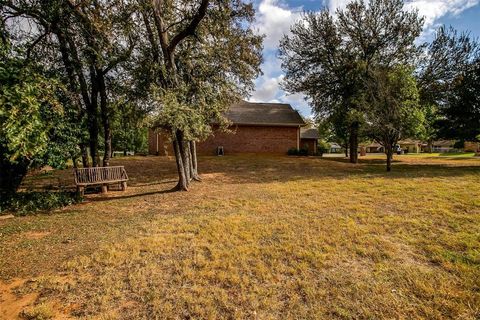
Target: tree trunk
193, 150
84, 150
346, 151
182, 184
92, 118
184, 148
107, 132
74, 161
354, 142
430, 146
11, 176
389, 152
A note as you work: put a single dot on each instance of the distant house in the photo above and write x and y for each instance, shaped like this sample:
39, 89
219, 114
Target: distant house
255, 128
471, 146
309, 140
373, 147
335, 147
410, 145
443, 146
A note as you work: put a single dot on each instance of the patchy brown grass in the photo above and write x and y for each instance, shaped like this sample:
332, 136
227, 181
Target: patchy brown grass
261, 238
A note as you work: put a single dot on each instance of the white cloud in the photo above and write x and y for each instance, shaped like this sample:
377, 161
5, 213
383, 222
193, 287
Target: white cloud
274, 20
435, 9
267, 89
430, 9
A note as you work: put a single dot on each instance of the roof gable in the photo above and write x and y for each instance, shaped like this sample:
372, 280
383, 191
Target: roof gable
266, 114
309, 133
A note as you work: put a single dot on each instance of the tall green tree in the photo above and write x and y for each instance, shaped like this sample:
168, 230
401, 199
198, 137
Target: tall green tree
461, 112
327, 57
393, 109
200, 59
87, 41
440, 73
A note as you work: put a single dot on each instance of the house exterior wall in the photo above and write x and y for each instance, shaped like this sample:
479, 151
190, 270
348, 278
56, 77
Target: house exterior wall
159, 143
251, 139
471, 146
310, 145
242, 139
412, 148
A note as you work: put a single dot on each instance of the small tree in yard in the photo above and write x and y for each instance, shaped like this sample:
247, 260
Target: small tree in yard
393, 107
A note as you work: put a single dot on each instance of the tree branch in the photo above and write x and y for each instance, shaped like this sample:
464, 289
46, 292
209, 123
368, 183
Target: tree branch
192, 26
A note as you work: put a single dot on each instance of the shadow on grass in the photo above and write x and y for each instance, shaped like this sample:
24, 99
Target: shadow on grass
298, 169
130, 196
148, 172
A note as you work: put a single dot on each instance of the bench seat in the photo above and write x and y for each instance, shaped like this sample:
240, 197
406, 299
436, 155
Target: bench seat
100, 176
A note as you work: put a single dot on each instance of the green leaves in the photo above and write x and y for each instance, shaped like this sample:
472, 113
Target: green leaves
31, 115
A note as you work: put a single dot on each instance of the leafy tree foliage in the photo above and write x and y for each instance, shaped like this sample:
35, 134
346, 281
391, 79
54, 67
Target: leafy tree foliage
34, 128
441, 72
461, 113
393, 107
86, 42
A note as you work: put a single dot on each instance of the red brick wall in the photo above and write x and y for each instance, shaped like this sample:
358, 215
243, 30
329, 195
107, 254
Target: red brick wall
164, 144
243, 139
251, 139
308, 144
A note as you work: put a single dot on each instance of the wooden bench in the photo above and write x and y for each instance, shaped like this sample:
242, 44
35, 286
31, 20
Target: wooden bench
100, 176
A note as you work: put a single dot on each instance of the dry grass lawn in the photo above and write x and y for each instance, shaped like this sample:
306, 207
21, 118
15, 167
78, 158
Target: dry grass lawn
260, 238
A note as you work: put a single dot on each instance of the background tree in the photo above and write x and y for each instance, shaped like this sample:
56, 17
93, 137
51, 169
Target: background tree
327, 58
87, 42
393, 107
461, 112
448, 58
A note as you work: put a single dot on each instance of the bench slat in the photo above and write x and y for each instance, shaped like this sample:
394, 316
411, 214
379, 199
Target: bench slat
99, 175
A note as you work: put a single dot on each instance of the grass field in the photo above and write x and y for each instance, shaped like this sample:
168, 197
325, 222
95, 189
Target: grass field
260, 238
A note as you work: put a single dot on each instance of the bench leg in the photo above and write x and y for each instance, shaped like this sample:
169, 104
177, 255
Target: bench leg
124, 185
104, 188
80, 191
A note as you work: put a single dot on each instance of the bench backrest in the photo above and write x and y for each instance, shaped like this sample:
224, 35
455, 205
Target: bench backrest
100, 174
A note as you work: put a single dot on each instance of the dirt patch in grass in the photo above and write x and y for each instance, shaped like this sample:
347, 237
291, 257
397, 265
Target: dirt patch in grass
12, 304
262, 237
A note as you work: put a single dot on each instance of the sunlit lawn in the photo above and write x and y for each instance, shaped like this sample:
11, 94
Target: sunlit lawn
260, 238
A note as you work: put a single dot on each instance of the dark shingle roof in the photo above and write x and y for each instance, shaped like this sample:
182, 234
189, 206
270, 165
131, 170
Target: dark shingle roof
254, 113
309, 133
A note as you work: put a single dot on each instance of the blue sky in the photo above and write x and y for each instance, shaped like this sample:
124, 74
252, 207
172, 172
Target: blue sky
274, 18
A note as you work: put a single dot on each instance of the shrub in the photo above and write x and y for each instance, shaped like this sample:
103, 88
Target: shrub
297, 152
303, 152
24, 203
39, 312
292, 152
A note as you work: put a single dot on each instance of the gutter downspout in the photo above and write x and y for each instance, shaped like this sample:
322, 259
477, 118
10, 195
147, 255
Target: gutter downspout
298, 137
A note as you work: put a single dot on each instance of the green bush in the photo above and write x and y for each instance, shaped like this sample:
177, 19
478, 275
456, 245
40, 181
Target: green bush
297, 152
303, 152
292, 152
24, 203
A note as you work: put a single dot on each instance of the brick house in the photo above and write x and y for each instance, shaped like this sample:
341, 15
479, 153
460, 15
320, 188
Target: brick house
255, 128
309, 140
472, 146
